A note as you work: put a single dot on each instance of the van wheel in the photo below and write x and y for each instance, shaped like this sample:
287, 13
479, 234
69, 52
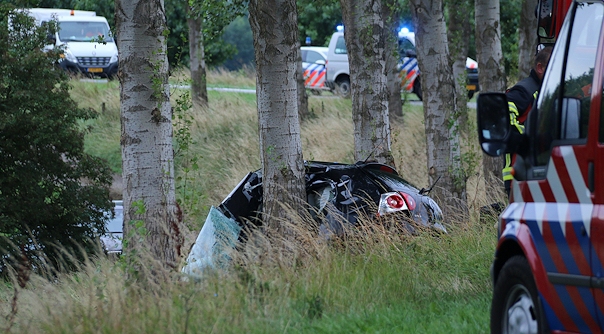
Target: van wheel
470, 94
343, 87
417, 88
516, 307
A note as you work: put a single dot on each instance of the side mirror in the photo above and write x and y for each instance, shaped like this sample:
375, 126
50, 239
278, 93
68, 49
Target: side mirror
320, 62
410, 53
493, 123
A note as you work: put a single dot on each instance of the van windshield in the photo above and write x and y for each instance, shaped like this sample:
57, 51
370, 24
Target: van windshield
84, 31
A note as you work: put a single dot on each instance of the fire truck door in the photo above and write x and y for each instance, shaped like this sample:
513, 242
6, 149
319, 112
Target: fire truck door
596, 185
563, 153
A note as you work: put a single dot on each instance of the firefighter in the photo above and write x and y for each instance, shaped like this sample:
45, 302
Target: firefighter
521, 98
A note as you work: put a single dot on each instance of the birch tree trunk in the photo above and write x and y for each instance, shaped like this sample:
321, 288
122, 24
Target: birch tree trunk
395, 103
492, 73
276, 53
197, 63
527, 38
459, 44
152, 226
366, 36
302, 95
439, 114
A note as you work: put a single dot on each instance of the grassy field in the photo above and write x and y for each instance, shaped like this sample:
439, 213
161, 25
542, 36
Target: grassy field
373, 284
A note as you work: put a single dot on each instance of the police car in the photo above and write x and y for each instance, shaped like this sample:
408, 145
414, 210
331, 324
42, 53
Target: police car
313, 64
409, 70
338, 72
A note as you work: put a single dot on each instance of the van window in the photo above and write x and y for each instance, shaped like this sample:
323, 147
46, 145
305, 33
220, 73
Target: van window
405, 44
309, 56
563, 109
83, 31
340, 46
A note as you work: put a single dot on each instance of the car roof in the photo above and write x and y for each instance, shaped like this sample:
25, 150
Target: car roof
320, 49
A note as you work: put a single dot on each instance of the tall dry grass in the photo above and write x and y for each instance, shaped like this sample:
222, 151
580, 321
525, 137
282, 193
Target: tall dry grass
374, 279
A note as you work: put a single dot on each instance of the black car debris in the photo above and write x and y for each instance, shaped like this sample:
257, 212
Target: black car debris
342, 192
339, 195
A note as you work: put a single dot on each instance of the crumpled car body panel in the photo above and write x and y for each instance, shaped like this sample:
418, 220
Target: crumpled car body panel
338, 193
350, 189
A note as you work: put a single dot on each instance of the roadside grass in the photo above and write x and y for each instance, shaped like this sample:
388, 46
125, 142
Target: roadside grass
422, 284
376, 282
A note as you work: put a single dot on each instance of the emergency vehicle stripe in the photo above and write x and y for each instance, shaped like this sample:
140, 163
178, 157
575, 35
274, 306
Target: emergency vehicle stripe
314, 76
562, 216
586, 211
564, 175
554, 245
553, 241
579, 250
579, 324
576, 177
546, 190
536, 192
552, 317
555, 184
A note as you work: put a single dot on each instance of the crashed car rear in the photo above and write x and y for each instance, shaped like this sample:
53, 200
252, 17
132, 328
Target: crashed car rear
338, 195
342, 191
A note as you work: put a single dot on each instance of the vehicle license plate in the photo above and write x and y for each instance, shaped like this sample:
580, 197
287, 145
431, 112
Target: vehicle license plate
95, 70
471, 87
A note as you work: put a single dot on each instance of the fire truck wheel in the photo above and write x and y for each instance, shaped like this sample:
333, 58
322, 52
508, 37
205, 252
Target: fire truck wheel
417, 88
515, 307
343, 87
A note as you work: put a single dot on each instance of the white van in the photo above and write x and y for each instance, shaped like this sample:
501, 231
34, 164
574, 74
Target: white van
338, 74
337, 69
88, 43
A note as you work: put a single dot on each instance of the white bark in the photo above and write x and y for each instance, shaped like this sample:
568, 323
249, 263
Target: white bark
197, 63
489, 55
390, 13
147, 154
366, 36
275, 30
438, 89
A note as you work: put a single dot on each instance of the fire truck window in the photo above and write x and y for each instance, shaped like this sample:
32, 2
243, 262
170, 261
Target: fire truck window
581, 62
565, 108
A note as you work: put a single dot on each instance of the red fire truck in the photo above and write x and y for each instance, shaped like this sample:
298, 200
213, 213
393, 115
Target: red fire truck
548, 271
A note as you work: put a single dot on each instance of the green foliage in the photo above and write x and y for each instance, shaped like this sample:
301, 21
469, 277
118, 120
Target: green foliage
239, 34
176, 18
53, 196
318, 20
510, 19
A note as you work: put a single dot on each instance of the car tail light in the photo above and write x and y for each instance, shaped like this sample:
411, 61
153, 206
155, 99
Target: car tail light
409, 200
391, 202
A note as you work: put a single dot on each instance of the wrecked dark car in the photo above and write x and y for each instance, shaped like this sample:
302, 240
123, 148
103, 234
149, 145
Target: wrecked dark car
339, 193
338, 196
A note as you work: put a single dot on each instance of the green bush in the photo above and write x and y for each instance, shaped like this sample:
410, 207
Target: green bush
52, 194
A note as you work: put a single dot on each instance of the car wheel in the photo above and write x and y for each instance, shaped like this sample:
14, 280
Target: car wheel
516, 307
417, 88
343, 87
